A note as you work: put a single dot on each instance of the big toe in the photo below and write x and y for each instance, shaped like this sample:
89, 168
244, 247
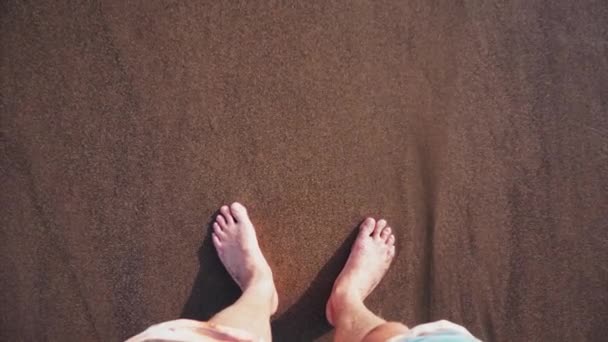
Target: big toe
367, 227
239, 211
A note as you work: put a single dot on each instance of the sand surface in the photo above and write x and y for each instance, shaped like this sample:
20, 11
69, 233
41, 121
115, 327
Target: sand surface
478, 130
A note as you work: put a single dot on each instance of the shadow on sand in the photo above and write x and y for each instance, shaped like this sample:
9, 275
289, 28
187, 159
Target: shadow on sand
214, 289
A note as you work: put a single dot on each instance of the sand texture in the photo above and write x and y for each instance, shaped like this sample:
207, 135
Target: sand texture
479, 130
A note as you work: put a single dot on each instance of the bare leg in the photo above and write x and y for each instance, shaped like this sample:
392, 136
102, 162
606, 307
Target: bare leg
369, 260
237, 246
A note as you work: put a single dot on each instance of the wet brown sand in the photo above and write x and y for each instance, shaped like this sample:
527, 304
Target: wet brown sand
479, 130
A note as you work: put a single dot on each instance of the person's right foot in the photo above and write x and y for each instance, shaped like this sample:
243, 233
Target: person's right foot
369, 259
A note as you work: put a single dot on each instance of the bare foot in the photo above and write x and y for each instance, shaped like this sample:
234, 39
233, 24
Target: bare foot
236, 243
369, 259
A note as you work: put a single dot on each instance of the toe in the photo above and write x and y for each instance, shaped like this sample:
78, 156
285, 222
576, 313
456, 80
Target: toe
391, 240
216, 240
221, 221
379, 227
367, 227
227, 215
218, 230
386, 232
391, 252
239, 211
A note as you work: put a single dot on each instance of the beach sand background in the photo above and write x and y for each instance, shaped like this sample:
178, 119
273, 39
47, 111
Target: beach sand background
478, 130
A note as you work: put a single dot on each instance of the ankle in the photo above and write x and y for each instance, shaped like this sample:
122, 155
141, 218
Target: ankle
261, 283
261, 275
264, 292
347, 293
344, 303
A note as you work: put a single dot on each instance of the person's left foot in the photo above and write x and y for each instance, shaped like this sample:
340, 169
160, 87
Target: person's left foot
237, 246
